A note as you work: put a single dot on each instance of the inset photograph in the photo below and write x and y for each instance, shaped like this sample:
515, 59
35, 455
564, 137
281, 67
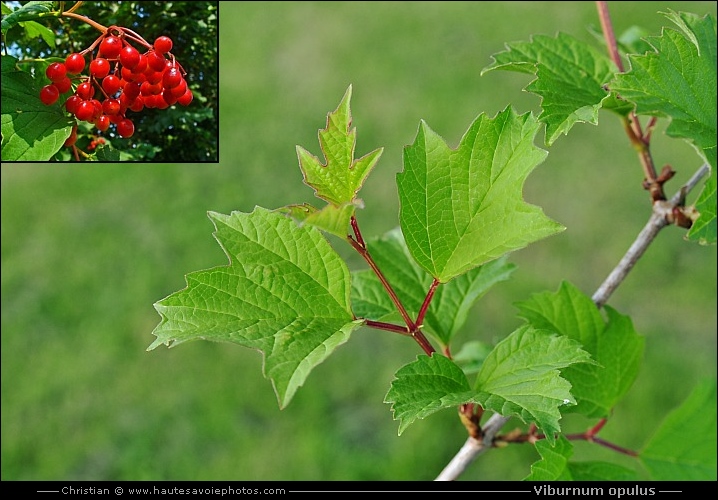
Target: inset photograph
110, 82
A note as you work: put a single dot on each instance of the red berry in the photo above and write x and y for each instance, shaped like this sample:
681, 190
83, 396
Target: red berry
49, 94
73, 103
110, 47
63, 85
156, 61
168, 97
56, 72
99, 67
171, 78
185, 98
154, 77
141, 65
137, 105
111, 84
85, 90
129, 57
132, 90
111, 106
125, 128
74, 63
180, 89
163, 44
85, 111
102, 123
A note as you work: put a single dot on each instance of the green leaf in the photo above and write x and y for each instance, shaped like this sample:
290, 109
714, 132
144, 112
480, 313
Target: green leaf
684, 446
570, 78
451, 303
35, 29
426, 386
339, 179
703, 229
28, 12
614, 345
107, 153
678, 81
284, 293
31, 131
464, 207
555, 466
521, 377
331, 219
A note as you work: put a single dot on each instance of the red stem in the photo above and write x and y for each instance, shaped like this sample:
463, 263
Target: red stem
427, 301
412, 329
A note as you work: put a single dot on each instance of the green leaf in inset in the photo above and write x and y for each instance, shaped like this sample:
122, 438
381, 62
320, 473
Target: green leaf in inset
684, 446
570, 78
614, 345
521, 377
555, 466
339, 179
284, 293
426, 386
35, 29
464, 207
451, 303
31, 131
28, 12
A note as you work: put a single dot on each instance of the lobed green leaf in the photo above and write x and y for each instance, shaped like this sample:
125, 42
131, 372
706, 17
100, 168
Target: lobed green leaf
464, 207
521, 377
339, 179
614, 345
285, 293
570, 79
426, 386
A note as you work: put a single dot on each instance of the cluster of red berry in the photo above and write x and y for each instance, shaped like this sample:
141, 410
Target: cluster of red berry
126, 79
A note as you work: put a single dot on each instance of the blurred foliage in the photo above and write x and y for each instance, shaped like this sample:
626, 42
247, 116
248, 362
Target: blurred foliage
179, 134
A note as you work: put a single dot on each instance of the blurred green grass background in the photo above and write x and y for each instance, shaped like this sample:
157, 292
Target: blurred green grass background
87, 249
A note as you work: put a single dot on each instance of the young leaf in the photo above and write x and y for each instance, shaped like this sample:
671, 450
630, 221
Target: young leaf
614, 345
555, 466
464, 207
570, 75
521, 377
426, 386
451, 303
684, 446
285, 293
340, 178
678, 80
331, 219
